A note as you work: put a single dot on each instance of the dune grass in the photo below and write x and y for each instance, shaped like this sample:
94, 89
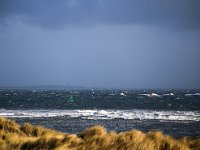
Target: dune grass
14, 136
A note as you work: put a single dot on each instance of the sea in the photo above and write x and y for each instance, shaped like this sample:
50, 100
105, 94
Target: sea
174, 112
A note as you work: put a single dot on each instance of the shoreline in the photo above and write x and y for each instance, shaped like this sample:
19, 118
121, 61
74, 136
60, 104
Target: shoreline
27, 136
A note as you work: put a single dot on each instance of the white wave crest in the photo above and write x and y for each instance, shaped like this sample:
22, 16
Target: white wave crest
196, 94
107, 114
151, 95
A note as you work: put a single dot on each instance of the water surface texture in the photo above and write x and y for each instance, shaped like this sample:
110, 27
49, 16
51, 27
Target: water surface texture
175, 112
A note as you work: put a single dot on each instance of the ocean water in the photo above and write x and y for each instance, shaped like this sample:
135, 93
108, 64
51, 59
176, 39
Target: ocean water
175, 112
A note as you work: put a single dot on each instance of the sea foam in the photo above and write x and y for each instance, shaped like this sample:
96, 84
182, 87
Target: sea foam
134, 114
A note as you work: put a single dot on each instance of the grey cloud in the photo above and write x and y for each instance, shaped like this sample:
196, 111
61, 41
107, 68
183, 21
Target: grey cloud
173, 14
101, 56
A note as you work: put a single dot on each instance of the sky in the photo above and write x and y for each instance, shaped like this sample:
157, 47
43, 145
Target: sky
100, 43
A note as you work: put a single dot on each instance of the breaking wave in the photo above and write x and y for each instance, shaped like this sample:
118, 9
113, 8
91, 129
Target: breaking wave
196, 94
106, 114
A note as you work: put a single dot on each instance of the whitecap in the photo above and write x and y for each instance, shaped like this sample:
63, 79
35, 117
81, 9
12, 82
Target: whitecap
170, 94
134, 114
122, 94
151, 95
196, 94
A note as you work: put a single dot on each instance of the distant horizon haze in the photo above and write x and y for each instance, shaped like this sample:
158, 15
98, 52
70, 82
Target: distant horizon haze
76, 87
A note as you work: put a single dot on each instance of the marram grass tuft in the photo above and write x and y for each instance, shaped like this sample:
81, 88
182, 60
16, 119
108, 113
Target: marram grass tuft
28, 137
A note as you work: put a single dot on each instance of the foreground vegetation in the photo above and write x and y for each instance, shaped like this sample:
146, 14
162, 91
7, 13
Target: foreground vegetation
14, 136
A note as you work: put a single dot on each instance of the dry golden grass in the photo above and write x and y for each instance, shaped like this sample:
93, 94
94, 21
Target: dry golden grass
28, 137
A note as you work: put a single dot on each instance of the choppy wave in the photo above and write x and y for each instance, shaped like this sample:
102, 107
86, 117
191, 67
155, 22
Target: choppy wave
156, 95
107, 114
196, 94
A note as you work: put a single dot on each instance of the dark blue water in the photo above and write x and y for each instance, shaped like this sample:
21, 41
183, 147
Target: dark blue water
175, 112
101, 99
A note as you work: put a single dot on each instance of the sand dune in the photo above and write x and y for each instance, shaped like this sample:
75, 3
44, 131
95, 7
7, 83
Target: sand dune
15, 136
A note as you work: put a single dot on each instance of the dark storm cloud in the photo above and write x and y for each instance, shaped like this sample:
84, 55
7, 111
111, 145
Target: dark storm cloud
174, 14
100, 43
